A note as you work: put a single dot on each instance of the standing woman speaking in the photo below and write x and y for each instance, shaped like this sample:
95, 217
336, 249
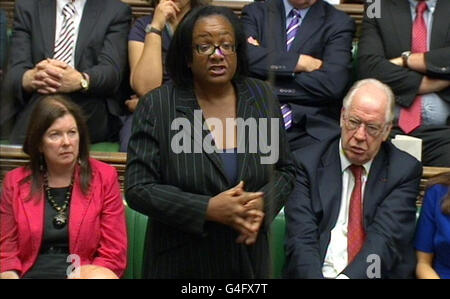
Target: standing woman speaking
209, 206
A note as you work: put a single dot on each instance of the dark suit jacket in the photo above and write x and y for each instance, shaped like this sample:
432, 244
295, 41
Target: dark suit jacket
388, 36
326, 33
174, 189
389, 212
101, 52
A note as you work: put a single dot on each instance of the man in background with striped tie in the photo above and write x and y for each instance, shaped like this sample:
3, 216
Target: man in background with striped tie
303, 47
74, 47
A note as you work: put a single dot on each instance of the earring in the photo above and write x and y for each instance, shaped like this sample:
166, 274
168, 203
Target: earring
41, 163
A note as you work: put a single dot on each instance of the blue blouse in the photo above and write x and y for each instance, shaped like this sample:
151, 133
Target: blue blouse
230, 165
433, 230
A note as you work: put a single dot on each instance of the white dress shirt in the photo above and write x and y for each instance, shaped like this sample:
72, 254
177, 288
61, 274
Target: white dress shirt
79, 6
336, 258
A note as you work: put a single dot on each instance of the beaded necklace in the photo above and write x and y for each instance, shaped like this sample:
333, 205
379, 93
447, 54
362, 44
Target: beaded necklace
60, 220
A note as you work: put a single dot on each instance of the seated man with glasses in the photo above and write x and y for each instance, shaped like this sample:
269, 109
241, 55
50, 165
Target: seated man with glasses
352, 212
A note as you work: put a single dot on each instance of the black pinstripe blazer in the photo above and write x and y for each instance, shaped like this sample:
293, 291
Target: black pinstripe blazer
174, 189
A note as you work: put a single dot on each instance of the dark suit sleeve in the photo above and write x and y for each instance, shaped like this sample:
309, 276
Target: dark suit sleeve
329, 82
278, 189
21, 60
261, 58
392, 228
438, 63
145, 190
373, 63
107, 74
302, 234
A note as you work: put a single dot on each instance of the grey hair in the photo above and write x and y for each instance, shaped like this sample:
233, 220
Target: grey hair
389, 117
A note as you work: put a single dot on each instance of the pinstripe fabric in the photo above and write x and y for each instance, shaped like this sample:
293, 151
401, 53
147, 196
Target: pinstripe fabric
174, 189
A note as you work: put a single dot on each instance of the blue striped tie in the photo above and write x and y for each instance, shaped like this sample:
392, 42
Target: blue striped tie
286, 111
65, 43
292, 29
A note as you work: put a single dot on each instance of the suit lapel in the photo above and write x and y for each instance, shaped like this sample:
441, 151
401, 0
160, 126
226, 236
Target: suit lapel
311, 23
329, 177
277, 24
79, 204
245, 110
402, 22
187, 104
374, 188
89, 19
34, 211
441, 25
47, 18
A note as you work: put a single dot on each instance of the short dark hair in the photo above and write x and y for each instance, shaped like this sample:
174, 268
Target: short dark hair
45, 113
179, 55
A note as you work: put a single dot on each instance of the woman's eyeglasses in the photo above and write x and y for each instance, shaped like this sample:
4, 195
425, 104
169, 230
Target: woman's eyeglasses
209, 49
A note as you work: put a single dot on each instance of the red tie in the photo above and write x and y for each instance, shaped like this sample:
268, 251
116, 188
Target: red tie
411, 118
356, 234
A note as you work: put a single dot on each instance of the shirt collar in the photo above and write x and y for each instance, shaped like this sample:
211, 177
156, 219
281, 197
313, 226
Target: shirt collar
430, 3
79, 5
345, 163
288, 7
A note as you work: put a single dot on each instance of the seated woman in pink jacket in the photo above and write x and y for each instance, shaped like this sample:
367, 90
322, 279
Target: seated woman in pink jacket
64, 211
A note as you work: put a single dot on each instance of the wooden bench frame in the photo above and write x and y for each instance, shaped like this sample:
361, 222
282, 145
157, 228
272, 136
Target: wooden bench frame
12, 157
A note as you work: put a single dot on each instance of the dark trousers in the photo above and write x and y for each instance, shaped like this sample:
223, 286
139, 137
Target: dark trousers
435, 144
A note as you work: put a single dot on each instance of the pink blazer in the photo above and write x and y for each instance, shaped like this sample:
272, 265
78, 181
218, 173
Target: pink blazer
97, 224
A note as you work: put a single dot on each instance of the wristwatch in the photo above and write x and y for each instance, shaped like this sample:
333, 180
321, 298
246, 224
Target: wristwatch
405, 56
84, 82
149, 29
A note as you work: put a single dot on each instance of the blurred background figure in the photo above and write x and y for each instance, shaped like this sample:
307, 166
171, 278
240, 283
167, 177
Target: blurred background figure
75, 48
303, 47
3, 42
148, 43
414, 60
62, 203
209, 211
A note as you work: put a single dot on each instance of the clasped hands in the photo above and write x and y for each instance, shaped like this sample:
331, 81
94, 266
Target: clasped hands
240, 210
52, 76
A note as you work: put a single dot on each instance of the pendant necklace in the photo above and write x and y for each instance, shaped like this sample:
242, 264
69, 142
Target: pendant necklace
60, 220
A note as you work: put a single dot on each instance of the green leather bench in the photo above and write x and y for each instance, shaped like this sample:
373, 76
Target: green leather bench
105, 147
137, 227
96, 147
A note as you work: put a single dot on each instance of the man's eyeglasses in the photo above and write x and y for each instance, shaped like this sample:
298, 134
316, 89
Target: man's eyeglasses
209, 49
354, 124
